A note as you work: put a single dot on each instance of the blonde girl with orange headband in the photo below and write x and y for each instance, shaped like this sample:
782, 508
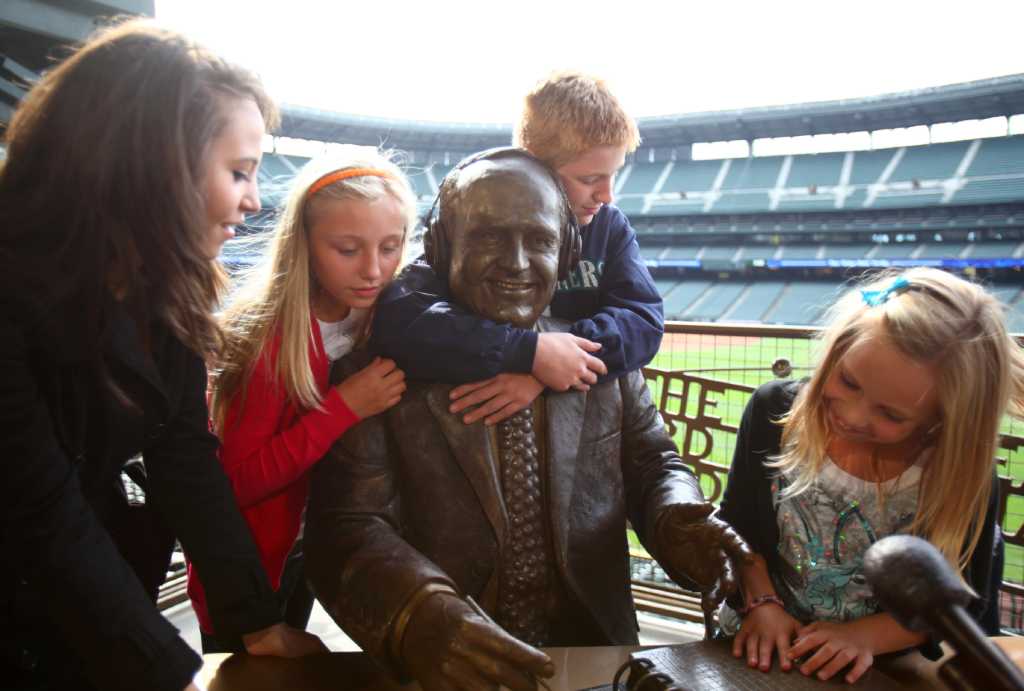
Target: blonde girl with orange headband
339, 240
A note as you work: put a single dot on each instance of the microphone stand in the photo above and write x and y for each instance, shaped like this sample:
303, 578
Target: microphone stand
916, 585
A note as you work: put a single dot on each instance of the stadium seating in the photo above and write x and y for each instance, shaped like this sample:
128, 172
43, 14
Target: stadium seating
868, 166
753, 173
999, 156
991, 191
691, 176
752, 252
847, 251
897, 251
937, 175
683, 252
752, 305
737, 210
802, 303
715, 252
816, 169
780, 302
800, 252
682, 296
642, 177
651, 251
938, 161
941, 251
994, 249
714, 301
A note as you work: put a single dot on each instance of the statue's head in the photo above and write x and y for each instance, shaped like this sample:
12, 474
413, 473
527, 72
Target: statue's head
503, 234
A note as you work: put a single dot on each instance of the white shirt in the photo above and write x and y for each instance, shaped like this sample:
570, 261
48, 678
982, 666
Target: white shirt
340, 337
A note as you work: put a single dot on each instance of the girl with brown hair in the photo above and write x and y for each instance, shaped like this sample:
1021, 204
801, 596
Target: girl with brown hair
128, 166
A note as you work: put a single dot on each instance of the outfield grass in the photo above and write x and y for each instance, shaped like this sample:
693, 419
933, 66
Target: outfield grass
748, 361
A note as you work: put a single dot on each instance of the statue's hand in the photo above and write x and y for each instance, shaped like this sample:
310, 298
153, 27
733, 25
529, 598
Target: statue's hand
449, 647
693, 544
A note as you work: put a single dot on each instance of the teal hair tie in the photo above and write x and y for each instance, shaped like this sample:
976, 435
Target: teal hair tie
874, 298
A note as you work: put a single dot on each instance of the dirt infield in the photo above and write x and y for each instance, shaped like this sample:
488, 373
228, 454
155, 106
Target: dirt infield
680, 343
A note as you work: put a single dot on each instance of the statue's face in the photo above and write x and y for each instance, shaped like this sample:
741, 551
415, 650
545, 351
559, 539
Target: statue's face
504, 240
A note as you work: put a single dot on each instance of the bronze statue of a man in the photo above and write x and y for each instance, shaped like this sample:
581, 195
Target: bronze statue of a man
412, 512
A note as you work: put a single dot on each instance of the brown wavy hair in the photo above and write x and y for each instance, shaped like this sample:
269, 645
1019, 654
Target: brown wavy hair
101, 192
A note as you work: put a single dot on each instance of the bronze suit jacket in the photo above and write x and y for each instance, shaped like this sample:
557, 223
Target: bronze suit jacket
413, 496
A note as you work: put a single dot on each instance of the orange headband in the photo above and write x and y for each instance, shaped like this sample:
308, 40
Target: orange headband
345, 174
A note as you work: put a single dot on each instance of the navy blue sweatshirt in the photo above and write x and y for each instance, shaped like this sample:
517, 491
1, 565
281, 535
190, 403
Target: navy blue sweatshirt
610, 298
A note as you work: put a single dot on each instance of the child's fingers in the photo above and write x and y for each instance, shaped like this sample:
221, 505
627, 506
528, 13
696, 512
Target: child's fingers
782, 643
589, 346
803, 645
806, 629
492, 406
503, 414
822, 655
765, 649
753, 645
484, 393
864, 662
595, 365
737, 643
463, 389
839, 660
383, 366
580, 386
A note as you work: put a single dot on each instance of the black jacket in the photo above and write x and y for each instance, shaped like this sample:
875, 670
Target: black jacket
66, 594
747, 503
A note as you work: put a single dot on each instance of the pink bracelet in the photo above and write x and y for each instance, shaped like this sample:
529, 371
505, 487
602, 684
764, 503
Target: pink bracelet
761, 600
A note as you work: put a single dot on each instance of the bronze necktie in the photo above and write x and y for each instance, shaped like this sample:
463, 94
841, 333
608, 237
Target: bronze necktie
523, 592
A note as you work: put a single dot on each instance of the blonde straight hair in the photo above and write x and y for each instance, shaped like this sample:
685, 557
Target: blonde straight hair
957, 327
276, 295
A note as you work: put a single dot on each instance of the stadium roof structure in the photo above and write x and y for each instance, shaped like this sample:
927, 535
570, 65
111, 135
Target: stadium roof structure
999, 96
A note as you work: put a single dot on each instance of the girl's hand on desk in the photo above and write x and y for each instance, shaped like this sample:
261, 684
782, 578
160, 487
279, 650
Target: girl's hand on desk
766, 628
836, 646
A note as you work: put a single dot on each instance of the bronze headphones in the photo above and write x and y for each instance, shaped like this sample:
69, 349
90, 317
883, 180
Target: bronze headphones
435, 238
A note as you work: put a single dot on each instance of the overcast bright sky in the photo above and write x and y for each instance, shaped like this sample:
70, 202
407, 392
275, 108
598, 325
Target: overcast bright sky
472, 61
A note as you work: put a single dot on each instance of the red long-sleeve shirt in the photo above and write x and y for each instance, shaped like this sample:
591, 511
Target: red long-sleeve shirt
267, 450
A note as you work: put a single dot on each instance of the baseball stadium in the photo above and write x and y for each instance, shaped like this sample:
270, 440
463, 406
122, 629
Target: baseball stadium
749, 237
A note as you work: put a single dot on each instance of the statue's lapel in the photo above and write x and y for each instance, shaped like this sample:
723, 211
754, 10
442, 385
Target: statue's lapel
564, 422
471, 447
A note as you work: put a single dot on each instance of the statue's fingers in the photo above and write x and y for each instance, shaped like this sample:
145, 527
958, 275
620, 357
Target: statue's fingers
735, 546
727, 583
497, 643
464, 674
709, 600
686, 516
